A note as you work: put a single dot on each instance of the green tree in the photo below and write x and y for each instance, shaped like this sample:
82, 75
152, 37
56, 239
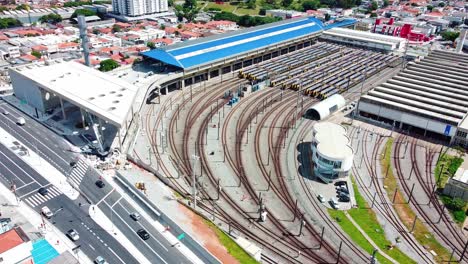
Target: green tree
4, 8
441, 4
116, 28
262, 12
429, 8
179, 26
9, 22
286, 3
327, 17
450, 35
252, 4
108, 65
385, 3
374, 5
170, 2
22, 7
162, 27
151, 45
36, 54
77, 3
51, 18
188, 10
83, 12
310, 5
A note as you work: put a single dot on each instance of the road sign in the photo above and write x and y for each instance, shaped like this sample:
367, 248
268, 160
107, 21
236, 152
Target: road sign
181, 236
447, 130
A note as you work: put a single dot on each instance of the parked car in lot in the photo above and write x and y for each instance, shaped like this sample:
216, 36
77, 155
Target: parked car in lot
334, 203
135, 216
343, 197
342, 189
47, 212
143, 234
73, 235
340, 183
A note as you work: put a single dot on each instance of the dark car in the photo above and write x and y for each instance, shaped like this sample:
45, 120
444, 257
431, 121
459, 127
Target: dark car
342, 189
43, 191
143, 234
340, 183
100, 184
343, 197
73, 164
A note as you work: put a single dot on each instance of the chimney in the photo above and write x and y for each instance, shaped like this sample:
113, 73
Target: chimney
84, 38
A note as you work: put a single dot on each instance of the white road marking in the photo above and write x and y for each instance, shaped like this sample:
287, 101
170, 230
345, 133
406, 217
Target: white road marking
117, 255
18, 188
91, 247
105, 197
116, 202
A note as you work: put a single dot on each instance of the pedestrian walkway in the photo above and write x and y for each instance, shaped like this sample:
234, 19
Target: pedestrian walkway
37, 199
78, 173
43, 252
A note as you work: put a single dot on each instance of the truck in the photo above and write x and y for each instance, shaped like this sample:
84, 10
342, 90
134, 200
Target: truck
47, 212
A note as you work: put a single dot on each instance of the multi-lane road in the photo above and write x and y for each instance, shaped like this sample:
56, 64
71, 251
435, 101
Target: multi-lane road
94, 241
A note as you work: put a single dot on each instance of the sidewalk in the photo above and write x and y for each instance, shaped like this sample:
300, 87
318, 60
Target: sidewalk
32, 221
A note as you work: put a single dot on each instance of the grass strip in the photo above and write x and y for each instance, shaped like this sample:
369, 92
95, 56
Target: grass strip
232, 247
404, 211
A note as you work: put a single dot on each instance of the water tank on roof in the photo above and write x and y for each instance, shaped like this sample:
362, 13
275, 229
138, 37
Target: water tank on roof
326, 107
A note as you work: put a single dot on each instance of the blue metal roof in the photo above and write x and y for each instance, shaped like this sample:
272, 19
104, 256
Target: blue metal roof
199, 52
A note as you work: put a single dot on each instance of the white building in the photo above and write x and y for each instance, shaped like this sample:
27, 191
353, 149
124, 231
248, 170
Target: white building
134, 8
332, 154
457, 186
101, 103
8, 51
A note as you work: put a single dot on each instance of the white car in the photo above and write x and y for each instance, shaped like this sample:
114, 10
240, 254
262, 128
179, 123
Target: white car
321, 198
73, 235
47, 212
334, 203
20, 121
5, 112
100, 260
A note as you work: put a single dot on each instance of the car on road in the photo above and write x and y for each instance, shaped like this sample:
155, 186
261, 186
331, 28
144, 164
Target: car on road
321, 198
100, 260
47, 212
43, 191
135, 216
5, 112
100, 184
334, 203
143, 234
73, 164
20, 121
73, 235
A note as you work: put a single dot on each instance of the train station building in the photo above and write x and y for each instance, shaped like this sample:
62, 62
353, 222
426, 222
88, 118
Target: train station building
88, 103
429, 97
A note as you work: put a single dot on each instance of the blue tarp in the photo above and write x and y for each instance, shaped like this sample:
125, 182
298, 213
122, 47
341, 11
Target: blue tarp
168, 55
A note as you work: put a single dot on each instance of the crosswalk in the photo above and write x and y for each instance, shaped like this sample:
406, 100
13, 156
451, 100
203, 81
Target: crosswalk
37, 199
77, 174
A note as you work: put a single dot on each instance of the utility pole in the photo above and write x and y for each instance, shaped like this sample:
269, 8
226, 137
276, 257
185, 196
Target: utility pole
194, 181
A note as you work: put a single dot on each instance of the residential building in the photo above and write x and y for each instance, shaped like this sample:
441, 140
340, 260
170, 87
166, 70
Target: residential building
134, 8
8, 51
15, 246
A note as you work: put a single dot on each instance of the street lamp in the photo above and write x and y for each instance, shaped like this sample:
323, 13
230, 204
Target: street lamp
194, 181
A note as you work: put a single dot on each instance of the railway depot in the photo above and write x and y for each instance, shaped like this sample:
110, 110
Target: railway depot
429, 97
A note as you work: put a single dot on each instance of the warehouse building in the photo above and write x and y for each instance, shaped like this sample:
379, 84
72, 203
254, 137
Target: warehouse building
365, 39
201, 59
332, 154
429, 97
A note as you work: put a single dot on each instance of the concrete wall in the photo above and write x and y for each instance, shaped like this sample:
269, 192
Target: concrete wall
456, 189
27, 90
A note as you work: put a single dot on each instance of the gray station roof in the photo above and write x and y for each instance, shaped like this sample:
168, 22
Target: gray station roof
435, 87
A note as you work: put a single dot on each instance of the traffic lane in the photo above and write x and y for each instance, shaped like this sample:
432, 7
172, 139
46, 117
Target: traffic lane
167, 251
12, 163
146, 247
97, 240
37, 144
38, 127
93, 192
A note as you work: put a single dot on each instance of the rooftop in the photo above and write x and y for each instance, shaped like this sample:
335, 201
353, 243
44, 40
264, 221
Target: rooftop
332, 140
12, 239
101, 94
461, 175
199, 52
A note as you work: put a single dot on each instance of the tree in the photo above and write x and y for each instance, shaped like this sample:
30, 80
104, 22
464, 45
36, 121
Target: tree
188, 10
9, 22
441, 4
151, 45
252, 4
22, 7
108, 65
116, 28
450, 35
262, 12
374, 5
327, 17
310, 5
286, 3
385, 3
162, 27
170, 2
4, 8
429, 8
179, 26
51, 18
83, 12
36, 54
